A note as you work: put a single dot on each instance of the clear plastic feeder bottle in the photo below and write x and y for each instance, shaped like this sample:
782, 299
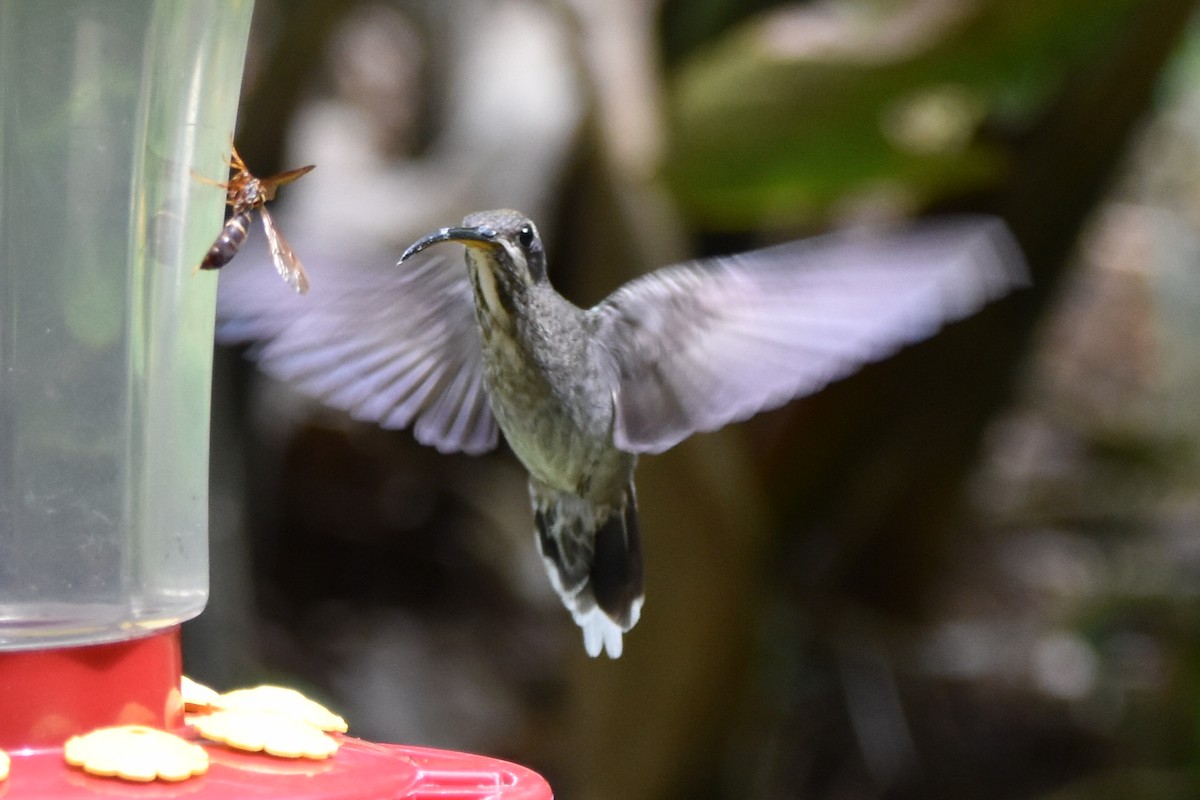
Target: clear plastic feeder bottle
108, 113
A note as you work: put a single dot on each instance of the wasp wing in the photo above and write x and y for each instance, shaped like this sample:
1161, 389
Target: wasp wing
287, 264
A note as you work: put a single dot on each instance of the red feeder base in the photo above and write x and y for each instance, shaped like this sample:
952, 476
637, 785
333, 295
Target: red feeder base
360, 771
48, 696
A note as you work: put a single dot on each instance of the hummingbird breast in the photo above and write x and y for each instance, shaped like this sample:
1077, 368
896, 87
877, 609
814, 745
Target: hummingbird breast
552, 402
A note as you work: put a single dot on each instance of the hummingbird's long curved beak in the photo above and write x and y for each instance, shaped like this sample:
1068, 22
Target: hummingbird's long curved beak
472, 237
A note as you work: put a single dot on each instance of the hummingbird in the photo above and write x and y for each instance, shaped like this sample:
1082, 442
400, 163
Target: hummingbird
580, 393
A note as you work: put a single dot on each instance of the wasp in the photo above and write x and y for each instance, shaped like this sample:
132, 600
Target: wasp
246, 194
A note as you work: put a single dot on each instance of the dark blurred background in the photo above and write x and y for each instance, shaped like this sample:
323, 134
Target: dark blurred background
968, 572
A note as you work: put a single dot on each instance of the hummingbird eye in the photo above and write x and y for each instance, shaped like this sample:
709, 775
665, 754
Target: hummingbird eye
525, 235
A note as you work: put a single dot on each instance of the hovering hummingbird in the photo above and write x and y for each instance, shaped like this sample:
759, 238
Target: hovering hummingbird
581, 393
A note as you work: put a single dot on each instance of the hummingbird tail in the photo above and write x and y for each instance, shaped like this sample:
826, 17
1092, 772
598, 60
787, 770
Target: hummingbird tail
594, 560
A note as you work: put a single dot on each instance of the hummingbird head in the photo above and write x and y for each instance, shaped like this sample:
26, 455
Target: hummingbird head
504, 256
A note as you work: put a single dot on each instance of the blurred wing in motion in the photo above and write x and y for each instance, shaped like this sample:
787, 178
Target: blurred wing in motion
702, 344
396, 345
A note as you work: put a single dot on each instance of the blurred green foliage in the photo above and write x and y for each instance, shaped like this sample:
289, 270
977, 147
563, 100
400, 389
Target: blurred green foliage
772, 121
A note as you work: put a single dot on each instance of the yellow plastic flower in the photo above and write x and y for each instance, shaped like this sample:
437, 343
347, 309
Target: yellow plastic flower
197, 696
287, 702
267, 731
136, 753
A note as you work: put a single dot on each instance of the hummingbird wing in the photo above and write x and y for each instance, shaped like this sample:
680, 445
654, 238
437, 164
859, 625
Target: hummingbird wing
398, 346
702, 344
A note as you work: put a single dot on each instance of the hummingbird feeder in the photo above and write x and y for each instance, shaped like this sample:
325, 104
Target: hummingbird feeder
108, 112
